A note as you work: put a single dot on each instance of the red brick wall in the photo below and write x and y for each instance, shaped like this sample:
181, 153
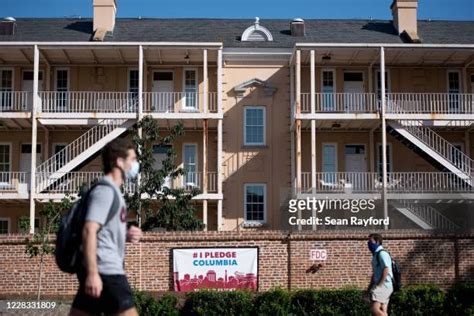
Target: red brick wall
424, 257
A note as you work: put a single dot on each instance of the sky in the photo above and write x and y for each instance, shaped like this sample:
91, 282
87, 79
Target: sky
322, 9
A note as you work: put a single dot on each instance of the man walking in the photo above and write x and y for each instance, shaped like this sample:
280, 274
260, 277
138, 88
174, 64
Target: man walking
103, 286
381, 284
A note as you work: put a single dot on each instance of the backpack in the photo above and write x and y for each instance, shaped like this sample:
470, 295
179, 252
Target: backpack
68, 251
396, 272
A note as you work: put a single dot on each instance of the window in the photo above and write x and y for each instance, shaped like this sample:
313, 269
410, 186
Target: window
190, 88
62, 86
256, 33
26, 148
4, 157
255, 202
454, 88
6, 87
379, 159
329, 162
254, 125
4, 226
133, 82
190, 164
328, 89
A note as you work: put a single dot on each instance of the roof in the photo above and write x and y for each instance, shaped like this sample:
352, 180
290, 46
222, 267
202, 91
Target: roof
229, 31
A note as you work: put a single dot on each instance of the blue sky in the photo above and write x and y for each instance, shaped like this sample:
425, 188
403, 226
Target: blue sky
337, 9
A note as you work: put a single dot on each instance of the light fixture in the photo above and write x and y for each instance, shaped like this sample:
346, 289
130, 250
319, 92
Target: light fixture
186, 59
336, 125
326, 57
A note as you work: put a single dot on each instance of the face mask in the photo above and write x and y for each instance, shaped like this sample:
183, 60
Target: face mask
372, 246
132, 173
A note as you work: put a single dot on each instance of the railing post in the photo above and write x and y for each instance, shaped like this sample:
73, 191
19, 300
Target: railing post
384, 135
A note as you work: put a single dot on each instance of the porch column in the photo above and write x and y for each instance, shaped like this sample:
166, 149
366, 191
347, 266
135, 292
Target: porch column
204, 169
34, 135
292, 132
313, 128
205, 82
371, 151
298, 127
384, 135
139, 117
219, 173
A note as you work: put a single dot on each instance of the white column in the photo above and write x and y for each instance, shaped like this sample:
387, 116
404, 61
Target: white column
204, 214
140, 116
384, 135
292, 118
219, 81
313, 127
34, 135
298, 126
205, 82
219, 173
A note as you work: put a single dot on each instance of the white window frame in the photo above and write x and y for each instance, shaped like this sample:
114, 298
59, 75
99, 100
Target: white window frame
333, 70
460, 79
10, 145
258, 107
129, 70
258, 222
378, 156
197, 163
9, 228
355, 144
185, 103
12, 69
68, 78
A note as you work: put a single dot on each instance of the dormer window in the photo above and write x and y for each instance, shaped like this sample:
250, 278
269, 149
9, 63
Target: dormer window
257, 33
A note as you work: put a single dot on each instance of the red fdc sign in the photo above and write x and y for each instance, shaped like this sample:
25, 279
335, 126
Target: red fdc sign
318, 254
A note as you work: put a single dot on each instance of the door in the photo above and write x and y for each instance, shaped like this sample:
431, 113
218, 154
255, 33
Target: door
353, 89
163, 100
355, 158
190, 164
159, 155
60, 156
62, 87
190, 90
454, 89
25, 160
328, 88
329, 162
6, 88
27, 86
5, 166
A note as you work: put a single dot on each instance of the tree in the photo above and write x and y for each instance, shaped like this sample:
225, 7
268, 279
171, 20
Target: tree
40, 243
162, 207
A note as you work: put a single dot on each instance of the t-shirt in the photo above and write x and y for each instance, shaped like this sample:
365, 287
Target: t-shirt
112, 235
385, 261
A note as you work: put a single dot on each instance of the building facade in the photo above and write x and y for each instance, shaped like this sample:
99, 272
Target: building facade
273, 110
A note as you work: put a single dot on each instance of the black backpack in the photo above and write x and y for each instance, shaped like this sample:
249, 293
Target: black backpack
397, 274
68, 250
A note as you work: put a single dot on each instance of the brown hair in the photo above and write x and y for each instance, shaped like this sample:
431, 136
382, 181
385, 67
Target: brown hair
377, 237
117, 148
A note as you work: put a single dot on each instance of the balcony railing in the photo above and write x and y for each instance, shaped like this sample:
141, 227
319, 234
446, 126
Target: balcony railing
13, 182
340, 103
174, 102
88, 101
73, 182
430, 103
15, 101
397, 182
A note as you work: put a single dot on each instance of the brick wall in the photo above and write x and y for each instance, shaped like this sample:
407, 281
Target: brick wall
425, 258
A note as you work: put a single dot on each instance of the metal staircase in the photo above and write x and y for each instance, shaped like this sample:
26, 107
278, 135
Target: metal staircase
447, 156
425, 216
79, 151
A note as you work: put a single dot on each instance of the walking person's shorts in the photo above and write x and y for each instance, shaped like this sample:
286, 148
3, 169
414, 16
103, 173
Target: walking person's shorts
381, 294
116, 295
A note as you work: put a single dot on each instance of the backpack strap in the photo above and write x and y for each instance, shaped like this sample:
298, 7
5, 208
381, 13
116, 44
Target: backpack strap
391, 260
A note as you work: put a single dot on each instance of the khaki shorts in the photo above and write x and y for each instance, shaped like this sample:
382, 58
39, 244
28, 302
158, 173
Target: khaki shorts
381, 294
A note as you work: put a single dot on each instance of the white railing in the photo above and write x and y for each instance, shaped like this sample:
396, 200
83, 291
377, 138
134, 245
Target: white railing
88, 101
15, 101
191, 179
79, 145
397, 182
172, 102
440, 145
10, 181
430, 103
429, 215
340, 102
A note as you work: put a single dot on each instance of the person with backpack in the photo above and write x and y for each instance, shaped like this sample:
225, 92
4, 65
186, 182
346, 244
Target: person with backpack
381, 285
103, 285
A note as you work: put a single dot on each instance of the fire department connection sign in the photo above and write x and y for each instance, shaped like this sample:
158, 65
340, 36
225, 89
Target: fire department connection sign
215, 268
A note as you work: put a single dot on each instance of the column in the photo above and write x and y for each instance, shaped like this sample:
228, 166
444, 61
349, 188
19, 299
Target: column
219, 139
205, 82
34, 135
384, 135
313, 127
298, 126
204, 169
140, 116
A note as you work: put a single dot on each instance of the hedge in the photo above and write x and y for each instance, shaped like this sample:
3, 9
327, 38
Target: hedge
411, 300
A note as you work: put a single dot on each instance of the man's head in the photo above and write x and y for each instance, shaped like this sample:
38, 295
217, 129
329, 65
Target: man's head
120, 154
375, 240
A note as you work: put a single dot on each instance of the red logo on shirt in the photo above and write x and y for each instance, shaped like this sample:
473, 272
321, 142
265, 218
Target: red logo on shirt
123, 214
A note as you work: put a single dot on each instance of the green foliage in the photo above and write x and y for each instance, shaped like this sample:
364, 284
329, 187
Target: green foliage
460, 300
175, 210
211, 302
273, 302
149, 306
418, 300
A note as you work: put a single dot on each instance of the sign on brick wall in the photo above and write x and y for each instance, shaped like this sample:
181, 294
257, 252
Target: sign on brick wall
215, 268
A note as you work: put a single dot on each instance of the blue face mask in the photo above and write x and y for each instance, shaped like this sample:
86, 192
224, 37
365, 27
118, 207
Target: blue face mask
133, 172
372, 246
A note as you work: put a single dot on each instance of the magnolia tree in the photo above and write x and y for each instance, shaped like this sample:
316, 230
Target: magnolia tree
161, 206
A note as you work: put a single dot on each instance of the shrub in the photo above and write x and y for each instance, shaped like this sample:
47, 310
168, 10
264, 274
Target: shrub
460, 300
275, 302
149, 306
211, 302
418, 300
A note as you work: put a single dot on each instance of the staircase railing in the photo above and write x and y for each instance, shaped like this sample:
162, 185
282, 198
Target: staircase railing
430, 215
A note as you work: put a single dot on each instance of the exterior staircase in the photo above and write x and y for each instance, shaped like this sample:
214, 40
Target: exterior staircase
436, 149
425, 216
79, 151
